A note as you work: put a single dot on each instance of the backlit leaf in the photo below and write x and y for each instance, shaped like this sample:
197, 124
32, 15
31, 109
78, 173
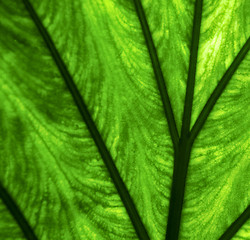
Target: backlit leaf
53, 169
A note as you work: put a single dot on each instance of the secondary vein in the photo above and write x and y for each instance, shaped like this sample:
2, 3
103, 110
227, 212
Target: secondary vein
236, 225
218, 91
181, 160
17, 214
192, 69
158, 74
118, 182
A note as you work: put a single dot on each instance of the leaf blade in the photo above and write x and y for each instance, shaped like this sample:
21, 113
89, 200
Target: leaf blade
121, 188
49, 167
216, 190
218, 90
107, 38
219, 45
116, 137
158, 74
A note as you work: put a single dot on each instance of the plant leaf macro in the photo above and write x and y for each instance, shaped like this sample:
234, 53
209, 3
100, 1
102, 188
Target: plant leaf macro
124, 119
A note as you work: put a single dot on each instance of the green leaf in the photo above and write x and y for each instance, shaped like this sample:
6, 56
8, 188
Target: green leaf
124, 119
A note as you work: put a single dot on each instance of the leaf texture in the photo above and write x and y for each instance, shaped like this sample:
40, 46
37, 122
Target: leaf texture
49, 162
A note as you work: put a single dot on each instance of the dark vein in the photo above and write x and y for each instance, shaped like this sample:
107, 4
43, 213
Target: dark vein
182, 157
17, 214
218, 91
181, 162
158, 74
118, 182
192, 69
236, 225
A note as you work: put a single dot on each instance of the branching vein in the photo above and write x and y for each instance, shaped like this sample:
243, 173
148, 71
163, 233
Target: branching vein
218, 91
182, 157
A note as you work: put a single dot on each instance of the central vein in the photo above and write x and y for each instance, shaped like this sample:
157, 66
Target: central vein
182, 156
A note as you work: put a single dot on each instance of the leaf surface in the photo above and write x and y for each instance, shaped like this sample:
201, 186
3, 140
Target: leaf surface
49, 161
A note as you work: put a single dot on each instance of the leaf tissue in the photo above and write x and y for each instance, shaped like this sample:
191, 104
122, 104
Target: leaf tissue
124, 119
